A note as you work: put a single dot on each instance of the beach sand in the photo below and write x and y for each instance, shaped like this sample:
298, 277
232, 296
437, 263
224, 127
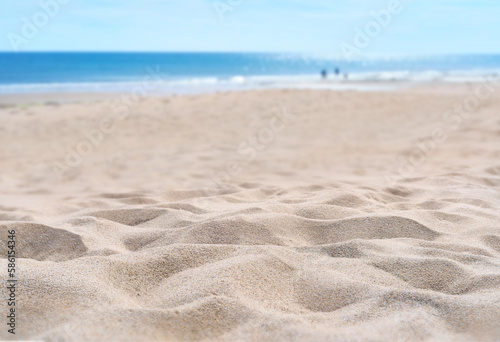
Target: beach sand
269, 215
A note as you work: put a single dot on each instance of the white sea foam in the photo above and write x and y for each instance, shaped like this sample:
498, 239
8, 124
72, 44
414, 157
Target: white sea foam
369, 80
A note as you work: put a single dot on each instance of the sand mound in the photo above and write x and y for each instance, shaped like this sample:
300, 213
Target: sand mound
39, 242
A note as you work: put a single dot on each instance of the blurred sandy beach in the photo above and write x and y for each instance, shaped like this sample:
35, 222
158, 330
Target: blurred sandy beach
260, 215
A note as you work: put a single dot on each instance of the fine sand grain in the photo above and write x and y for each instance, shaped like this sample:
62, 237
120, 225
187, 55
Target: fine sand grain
276, 215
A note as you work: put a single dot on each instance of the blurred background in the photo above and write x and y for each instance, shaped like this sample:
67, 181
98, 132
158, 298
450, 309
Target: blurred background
205, 46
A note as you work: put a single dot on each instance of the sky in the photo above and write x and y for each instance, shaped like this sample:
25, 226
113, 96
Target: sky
310, 26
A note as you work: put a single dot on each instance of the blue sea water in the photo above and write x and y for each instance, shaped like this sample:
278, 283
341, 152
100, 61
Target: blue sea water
191, 72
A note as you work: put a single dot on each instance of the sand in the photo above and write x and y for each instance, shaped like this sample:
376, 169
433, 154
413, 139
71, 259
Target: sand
270, 215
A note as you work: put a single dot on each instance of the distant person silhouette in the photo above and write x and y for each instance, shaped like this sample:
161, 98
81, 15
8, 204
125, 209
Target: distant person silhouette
337, 71
324, 74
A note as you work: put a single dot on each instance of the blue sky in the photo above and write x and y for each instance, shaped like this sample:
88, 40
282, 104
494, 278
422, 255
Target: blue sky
316, 26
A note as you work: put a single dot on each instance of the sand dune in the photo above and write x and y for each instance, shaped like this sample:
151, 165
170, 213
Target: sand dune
173, 227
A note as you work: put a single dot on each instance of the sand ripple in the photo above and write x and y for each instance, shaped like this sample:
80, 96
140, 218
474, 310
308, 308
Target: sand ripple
192, 272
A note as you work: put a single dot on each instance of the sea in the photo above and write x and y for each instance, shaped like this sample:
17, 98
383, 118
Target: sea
184, 73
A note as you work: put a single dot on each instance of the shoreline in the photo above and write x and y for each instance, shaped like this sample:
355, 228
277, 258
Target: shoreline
59, 97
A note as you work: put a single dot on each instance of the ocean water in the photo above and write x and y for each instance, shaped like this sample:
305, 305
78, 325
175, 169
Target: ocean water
202, 72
